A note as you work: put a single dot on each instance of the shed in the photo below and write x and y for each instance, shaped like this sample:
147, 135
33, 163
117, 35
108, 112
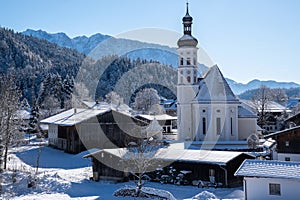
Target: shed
78, 129
205, 165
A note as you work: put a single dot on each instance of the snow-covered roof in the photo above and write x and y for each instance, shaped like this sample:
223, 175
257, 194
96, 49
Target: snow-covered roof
101, 105
282, 132
214, 87
23, 114
293, 102
74, 116
169, 105
269, 169
269, 143
187, 155
271, 106
161, 117
154, 127
245, 113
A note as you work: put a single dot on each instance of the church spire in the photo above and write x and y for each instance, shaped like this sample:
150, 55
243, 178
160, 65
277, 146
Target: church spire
187, 39
187, 21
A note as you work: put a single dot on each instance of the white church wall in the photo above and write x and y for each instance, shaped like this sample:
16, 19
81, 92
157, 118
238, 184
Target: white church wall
247, 126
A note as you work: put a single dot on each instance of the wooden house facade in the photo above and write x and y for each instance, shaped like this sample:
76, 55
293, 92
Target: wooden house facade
288, 144
76, 130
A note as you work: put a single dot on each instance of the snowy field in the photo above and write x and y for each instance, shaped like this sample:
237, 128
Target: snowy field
67, 176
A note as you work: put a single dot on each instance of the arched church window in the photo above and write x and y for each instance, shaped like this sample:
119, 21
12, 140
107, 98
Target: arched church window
188, 61
181, 61
218, 125
231, 126
204, 125
188, 79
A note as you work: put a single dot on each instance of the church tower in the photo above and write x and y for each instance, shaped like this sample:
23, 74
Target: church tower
187, 86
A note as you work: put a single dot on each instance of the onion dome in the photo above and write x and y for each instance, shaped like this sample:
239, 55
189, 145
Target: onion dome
187, 39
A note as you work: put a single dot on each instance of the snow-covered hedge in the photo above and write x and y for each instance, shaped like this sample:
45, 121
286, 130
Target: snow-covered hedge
147, 192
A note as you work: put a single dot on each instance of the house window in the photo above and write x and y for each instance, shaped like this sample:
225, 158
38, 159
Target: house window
204, 125
287, 159
218, 125
287, 143
274, 189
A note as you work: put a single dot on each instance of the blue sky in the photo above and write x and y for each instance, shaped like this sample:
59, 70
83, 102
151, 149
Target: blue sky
248, 39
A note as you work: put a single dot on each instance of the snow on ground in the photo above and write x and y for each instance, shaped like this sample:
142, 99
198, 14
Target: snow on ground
67, 176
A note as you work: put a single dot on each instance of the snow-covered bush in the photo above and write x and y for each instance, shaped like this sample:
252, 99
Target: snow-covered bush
146, 192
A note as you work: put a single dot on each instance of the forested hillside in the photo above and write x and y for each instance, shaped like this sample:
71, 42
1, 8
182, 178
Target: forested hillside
53, 71
32, 59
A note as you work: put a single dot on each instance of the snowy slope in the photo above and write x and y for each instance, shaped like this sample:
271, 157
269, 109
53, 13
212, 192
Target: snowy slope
66, 176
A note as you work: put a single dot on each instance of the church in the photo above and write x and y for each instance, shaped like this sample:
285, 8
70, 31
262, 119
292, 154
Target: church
207, 110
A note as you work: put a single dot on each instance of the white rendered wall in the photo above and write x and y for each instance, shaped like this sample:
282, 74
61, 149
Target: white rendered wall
247, 126
258, 188
212, 112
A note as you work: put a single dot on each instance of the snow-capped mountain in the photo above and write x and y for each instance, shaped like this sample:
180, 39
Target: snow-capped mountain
82, 44
239, 88
100, 45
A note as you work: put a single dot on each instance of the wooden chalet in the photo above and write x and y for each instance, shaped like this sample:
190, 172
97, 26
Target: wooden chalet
208, 166
288, 144
76, 130
293, 120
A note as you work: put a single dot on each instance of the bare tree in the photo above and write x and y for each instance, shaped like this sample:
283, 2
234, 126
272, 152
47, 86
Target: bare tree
9, 121
261, 100
147, 100
113, 98
279, 95
140, 157
253, 141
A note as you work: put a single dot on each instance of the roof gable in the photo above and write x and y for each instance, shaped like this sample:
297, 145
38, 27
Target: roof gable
214, 87
74, 116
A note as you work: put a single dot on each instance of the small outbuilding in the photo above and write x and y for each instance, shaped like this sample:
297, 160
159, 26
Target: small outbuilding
209, 166
265, 179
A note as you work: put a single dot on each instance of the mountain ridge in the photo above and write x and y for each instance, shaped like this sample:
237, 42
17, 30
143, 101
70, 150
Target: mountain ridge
142, 50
